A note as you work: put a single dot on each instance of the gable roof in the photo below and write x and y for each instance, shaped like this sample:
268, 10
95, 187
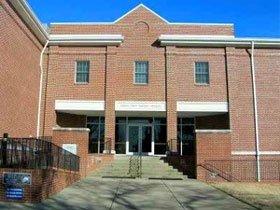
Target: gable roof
137, 7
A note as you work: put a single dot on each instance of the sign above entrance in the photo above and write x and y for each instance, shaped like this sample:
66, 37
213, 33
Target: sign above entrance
148, 106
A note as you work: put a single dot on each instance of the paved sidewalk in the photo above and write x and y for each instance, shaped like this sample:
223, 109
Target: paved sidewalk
98, 193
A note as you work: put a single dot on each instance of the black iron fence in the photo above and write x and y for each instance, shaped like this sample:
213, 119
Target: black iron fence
242, 170
32, 153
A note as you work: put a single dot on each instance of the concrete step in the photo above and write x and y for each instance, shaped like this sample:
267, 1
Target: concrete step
151, 167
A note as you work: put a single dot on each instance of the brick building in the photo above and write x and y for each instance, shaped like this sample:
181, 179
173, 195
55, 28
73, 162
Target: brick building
141, 84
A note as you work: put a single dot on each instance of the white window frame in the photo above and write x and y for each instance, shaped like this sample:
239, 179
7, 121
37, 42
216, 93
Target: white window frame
134, 73
75, 77
194, 67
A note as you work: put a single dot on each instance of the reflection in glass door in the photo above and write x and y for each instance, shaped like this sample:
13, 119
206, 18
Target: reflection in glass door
146, 139
133, 137
140, 139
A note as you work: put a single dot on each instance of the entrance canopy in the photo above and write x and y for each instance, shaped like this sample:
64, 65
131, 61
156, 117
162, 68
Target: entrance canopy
193, 109
89, 108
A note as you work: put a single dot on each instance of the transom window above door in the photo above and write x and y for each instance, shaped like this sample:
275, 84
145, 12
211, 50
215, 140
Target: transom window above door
141, 72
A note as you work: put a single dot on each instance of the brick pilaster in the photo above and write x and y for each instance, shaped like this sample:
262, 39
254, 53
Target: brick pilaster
110, 116
171, 106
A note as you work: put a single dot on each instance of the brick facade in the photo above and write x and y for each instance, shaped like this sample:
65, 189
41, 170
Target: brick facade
19, 75
171, 79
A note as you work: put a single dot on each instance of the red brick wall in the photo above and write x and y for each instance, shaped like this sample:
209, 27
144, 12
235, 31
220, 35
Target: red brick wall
267, 65
211, 146
74, 136
44, 183
19, 75
88, 162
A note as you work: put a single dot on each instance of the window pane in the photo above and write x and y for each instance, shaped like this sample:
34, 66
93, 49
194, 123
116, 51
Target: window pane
187, 133
94, 132
160, 133
187, 121
120, 120
141, 72
120, 133
202, 72
160, 120
82, 71
93, 120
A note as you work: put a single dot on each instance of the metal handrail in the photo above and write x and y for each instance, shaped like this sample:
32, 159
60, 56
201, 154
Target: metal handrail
33, 153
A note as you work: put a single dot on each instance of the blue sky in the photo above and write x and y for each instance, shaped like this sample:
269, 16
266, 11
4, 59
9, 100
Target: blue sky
252, 18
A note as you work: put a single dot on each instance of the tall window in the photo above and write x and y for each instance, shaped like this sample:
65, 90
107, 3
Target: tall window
186, 136
141, 72
82, 71
201, 72
96, 134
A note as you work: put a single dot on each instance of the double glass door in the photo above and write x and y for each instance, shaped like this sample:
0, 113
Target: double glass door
140, 139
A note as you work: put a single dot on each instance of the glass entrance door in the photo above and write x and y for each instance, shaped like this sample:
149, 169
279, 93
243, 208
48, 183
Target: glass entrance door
140, 139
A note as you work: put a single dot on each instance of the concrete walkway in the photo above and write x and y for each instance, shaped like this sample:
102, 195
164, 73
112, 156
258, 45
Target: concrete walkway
98, 193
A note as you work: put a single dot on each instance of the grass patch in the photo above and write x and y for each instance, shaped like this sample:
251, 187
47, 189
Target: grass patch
260, 195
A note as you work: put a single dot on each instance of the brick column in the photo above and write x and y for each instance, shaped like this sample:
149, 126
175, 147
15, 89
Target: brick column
171, 102
110, 116
77, 136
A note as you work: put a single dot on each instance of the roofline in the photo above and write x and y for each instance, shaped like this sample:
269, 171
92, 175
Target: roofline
26, 13
135, 8
112, 23
86, 39
216, 41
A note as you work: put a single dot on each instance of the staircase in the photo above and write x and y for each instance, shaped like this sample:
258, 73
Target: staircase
152, 167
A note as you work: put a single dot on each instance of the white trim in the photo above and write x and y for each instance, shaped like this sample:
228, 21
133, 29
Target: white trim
71, 129
144, 106
79, 105
86, 39
26, 13
212, 131
179, 37
132, 10
216, 40
254, 153
185, 106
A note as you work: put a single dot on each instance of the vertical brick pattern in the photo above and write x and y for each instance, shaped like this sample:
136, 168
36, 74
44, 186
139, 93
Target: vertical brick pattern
171, 111
88, 162
73, 136
240, 102
19, 75
211, 146
110, 97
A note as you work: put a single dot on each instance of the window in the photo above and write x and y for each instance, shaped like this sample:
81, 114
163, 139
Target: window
96, 134
201, 72
141, 72
186, 136
82, 71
